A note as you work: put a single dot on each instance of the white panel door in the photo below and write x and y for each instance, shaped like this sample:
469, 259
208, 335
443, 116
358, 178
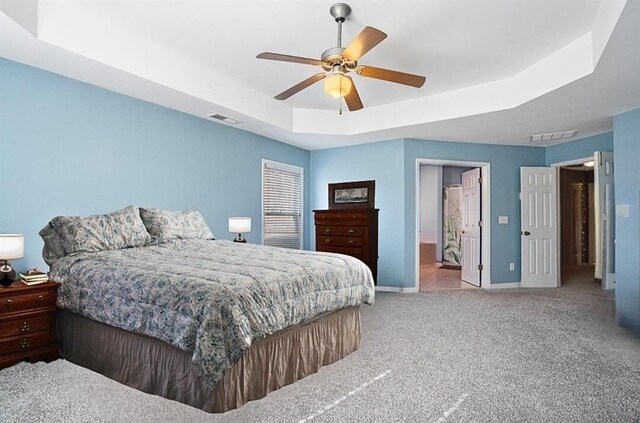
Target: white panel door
471, 228
604, 218
539, 235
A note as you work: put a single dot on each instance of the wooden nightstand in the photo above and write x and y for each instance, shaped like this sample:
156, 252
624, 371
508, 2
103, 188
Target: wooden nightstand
27, 323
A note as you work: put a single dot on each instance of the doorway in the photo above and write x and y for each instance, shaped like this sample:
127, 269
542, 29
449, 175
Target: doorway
450, 202
577, 217
551, 241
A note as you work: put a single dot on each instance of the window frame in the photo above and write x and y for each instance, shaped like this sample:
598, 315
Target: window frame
287, 168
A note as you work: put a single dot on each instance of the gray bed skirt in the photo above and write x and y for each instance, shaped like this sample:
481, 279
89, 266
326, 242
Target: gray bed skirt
158, 368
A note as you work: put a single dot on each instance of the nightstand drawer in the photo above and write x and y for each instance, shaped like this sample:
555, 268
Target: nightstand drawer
25, 342
27, 301
25, 326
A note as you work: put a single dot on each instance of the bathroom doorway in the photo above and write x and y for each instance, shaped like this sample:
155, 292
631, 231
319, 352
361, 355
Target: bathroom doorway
450, 227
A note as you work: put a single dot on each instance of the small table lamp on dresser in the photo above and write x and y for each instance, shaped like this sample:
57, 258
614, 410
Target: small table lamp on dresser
239, 225
11, 248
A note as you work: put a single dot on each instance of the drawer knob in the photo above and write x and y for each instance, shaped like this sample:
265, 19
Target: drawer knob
9, 303
350, 231
338, 216
327, 230
40, 299
350, 241
24, 344
25, 327
327, 240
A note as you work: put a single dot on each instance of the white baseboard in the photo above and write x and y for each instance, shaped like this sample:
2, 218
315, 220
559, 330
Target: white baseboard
504, 285
381, 288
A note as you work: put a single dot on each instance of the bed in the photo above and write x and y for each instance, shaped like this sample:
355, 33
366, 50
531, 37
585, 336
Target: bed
209, 323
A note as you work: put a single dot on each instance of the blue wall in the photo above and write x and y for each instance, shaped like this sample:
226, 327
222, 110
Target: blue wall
505, 163
626, 138
579, 149
392, 165
383, 162
71, 148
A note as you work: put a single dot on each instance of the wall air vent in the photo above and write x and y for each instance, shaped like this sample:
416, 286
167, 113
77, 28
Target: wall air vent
553, 136
223, 118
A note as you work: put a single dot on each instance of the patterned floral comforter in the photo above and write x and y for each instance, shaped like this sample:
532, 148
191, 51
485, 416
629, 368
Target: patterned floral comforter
212, 298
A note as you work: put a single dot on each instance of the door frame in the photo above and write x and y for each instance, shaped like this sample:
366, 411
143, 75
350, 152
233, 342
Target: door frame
557, 167
485, 172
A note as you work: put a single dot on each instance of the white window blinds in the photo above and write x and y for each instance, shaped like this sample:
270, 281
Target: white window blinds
282, 205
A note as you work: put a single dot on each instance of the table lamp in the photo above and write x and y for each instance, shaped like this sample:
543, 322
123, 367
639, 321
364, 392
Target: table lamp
239, 225
11, 248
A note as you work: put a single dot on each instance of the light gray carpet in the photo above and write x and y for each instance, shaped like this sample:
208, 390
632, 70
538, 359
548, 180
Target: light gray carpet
447, 356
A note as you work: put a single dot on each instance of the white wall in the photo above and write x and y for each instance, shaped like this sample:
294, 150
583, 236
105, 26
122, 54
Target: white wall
431, 190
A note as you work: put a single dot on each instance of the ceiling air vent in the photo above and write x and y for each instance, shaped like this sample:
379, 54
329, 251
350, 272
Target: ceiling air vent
553, 136
223, 118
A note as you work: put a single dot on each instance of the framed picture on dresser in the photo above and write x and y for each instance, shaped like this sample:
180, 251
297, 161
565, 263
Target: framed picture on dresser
352, 195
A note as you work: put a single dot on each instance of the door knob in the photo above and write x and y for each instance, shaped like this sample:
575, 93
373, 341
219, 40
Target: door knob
526, 233
464, 232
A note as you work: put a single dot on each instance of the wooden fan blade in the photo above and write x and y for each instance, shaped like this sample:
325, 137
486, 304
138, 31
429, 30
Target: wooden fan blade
392, 76
300, 86
365, 41
353, 99
288, 58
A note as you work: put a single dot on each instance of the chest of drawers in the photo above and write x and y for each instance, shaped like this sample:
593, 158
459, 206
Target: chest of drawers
27, 319
353, 232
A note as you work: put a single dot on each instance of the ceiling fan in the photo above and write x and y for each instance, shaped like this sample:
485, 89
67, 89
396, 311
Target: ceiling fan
338, 61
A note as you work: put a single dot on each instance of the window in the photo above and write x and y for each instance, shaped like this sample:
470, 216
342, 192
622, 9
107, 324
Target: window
282, 203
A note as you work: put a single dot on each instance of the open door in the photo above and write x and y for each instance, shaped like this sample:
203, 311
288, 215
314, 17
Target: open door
605, 218
471, 227
539, 235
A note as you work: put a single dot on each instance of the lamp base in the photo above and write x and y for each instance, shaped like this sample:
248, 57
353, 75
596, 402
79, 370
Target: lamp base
7, 275
239, 238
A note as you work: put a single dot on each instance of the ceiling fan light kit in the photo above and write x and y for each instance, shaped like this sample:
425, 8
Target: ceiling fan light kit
338, 61
337, 84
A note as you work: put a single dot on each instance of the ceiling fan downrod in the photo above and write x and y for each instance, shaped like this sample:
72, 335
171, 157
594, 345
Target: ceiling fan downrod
340, 12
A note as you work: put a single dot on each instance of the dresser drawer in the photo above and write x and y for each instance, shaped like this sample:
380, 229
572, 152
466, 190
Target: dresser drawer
342, 219
25, 342
352, 241
27, 301
359, 217
327, 240
25, 326
352, 230
327, 230
332, 249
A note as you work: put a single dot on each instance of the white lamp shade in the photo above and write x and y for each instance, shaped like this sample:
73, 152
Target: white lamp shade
11, 246
337, 85
239, 225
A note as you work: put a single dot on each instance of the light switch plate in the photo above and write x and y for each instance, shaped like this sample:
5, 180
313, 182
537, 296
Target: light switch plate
503, 220
622, 210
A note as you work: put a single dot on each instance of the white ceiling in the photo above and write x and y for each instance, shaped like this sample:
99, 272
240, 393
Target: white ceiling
497, 70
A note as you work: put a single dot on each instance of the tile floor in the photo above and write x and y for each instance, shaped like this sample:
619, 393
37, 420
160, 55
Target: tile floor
433, 277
